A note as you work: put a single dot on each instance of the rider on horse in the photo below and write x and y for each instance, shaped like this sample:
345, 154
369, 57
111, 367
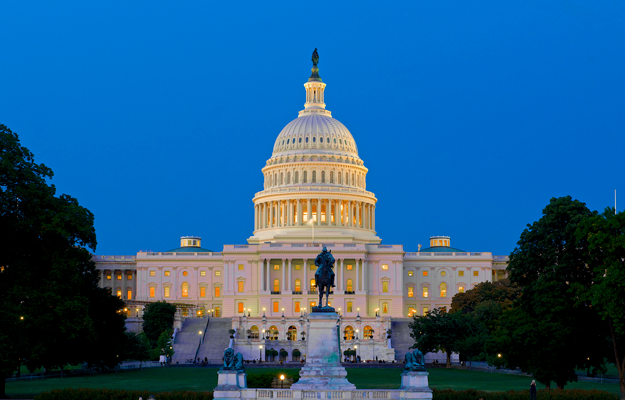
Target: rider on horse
326, 259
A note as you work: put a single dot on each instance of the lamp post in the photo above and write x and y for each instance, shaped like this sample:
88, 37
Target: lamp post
260, 353
356, 356
249, 311
282, 381
356, 334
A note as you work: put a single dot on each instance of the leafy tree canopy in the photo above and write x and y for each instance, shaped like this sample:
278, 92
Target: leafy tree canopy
438, 331
158, 317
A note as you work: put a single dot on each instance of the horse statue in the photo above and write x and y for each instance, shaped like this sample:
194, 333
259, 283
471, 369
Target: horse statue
324, 278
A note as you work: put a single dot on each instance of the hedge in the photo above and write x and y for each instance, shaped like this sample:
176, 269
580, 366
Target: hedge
108, 394
567, 394
264, 380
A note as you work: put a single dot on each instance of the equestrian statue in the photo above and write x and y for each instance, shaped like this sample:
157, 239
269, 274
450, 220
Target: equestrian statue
324, 278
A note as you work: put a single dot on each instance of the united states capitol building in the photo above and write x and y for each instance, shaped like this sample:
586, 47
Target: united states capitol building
314, 183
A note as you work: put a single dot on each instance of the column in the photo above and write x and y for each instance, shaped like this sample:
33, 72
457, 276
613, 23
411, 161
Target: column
305, 283
337, 215
269, 223
359, 222
299, 212
268, 275
362, 278
358, 272
289, 219
349, 213
226, 280
342, 275
373, 217
290, 276
318, 212
255, 217
123, 271
397, 275
308, 211
283, 286
174, 292
159, 288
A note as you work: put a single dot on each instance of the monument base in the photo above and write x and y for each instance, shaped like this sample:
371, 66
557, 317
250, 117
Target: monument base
415, 384
229, 385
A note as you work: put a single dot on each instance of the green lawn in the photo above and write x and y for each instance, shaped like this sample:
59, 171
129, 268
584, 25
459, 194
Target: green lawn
205, 379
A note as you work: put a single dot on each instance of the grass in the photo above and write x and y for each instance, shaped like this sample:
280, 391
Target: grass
205, 379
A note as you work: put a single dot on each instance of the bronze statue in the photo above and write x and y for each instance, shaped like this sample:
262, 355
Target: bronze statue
232, 362
324, 278
315, 57
415, 361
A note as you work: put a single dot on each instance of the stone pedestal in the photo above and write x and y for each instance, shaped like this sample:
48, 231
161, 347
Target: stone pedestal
415, 384
229, 385
323, 369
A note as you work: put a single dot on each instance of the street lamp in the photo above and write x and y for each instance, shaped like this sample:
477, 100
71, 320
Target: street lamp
260, 352
249, 311
356, 334
356, 356
282, 381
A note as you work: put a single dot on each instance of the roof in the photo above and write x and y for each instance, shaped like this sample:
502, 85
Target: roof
190, 249
441, 249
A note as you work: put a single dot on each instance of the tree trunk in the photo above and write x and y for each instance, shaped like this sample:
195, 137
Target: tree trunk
619, 361
3, 386
448, 359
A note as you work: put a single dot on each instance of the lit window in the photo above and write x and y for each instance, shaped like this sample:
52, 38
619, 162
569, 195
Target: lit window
202, 273
185, 289
276, 267
166, 291
152, 291
297, 309
241, 267
152, 273
385, 266
425, 273
129, 277
368, 332
298, 285
312, 284
460, 273
119, 294
349, 306
410, 291
202, 291
109, 276
443, 273
185, 273
240, 286
425, 291
129, 294
298, 267
460, 289
119, 277
349, 333
276, 306
349, 285
217, 273
166, 273
385, 308
475, 273
217, 312
426, 310
217, 291
276, 285
385, 287
312, 304
410, 273
312, 266
241, 309
443, 289
349, 267
412, 312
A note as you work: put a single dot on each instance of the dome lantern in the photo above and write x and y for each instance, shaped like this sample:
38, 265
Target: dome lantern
315, 92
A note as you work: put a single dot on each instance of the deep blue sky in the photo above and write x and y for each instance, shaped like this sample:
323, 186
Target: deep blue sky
470, 115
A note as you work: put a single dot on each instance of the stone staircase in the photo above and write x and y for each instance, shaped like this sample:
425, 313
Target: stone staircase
217, 339
400, 338
188, 339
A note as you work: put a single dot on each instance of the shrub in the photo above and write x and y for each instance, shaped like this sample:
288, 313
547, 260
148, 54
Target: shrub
108, 394
296, 353
568, 394
263, 381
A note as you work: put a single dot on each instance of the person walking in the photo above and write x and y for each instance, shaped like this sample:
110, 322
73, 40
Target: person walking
533, 390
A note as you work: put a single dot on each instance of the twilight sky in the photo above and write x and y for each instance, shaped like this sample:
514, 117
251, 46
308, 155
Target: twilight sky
158, 116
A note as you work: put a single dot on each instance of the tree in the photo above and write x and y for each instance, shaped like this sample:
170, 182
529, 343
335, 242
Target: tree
438, 330
138, 347
48, 280
604, 237
158, 317
164, 345
552, 319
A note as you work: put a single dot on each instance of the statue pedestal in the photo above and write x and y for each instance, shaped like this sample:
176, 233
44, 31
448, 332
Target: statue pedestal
415, 384
323, 369
229, 385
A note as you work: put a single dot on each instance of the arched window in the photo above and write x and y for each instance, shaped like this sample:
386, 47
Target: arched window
273, 332
321, 139
314, 177
349, 285
275, 179
292, 333
443, 289
348, 333
298, 285
340, 178
254, 334
368, 332
306, 139
332, 176
296, 180
305, 179
185, 289
347, 179
312, 285
276, 285
282, 178
353, 180
314, 139
288, 178
323, 177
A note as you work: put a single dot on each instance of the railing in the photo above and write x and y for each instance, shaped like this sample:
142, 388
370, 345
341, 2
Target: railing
448, 254
313, 291
201, 339
350, 292
114, 258
322, 394
297, 292
173, 254
275, 245
275, 292
241, 246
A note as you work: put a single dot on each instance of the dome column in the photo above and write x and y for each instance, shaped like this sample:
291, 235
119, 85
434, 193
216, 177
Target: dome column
271, 214
318, 212
256, 217
299, 212
308, 210
337, 216
373, 217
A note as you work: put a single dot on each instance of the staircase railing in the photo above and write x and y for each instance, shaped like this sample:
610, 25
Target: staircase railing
201, 339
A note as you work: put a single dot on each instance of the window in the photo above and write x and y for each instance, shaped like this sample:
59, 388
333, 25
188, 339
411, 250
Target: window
385, 308
152, 291
276, 285
273, 332
296, 307
292, 333
349, 267
217, 291
385, 287
350, 306
129, 277
312, 304
460, 273
119, 277
476, 273
254, 334
426, 310
314, 139
410, 273
119, 294
203, 291
167, 273
276, 267
425, 291
129, 295
348, 333
321, 139
312, 284
460, 289
298, 285
443, 273
185, 273
300, 140
241, 267
412, 312
185, 289
217, 273
276, 306
298, 267
241, 308
240, 285
202, 273
410, 291
368, 333
312, 266
385, 267
425, 273
349, 285
443, 288
109, 276
166, 291
217, 312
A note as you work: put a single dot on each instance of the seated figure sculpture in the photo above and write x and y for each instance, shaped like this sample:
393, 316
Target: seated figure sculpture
415, 361
232, 362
